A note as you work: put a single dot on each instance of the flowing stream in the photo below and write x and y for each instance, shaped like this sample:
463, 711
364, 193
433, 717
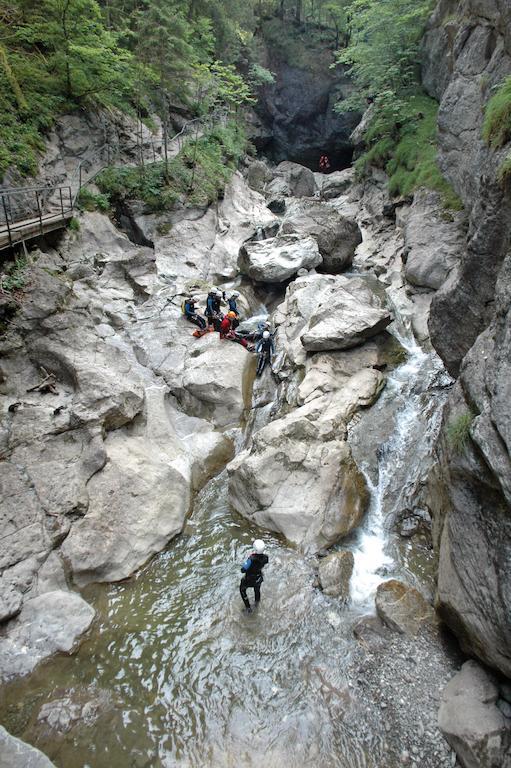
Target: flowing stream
181, 678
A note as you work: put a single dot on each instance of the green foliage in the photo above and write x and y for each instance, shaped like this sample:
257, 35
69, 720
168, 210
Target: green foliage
89, 201
198, 174
382, 54
133, 55
458, 431
14, 278
74, 225
497, 119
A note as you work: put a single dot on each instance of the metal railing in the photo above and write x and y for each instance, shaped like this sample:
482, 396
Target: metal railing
24, 208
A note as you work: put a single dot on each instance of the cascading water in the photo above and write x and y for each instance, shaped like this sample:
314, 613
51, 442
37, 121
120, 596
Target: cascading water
400, 456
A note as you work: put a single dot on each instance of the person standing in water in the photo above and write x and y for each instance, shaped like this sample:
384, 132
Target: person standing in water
252, 569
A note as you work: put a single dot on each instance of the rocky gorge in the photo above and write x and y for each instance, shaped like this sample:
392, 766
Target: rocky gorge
380, 528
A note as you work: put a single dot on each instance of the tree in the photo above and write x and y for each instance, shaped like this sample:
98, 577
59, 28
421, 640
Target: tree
163, 46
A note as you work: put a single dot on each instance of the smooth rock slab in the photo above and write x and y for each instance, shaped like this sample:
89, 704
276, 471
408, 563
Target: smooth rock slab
47, 624
14, 753
402, 607
277, 259
471, 722
335, 573
344, 322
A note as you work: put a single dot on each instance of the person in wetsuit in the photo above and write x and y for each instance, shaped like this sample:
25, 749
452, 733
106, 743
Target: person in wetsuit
190, 312
252, 569
265, 349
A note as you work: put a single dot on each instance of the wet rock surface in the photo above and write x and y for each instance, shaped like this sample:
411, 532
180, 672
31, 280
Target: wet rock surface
403, 608
16, 754
335, 573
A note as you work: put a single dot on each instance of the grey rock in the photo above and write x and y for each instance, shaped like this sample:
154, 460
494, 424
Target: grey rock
344, 322
14, 753
434, 241
47, 624
258, 174
337, 183
300, 462
335, 573
337, 236
277, 259
299, 181
402, 607
471, 722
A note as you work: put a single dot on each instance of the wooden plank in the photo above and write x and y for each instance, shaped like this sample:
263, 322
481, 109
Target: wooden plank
27, 230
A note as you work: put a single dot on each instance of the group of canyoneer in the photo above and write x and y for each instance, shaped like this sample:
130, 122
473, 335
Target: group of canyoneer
214, 320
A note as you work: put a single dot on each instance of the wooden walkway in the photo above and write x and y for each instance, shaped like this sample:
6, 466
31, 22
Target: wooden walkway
28, 212
27, 229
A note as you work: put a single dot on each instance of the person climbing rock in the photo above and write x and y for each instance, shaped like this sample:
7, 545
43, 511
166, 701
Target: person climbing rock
265, 348
253, 570
189, 310
324, 164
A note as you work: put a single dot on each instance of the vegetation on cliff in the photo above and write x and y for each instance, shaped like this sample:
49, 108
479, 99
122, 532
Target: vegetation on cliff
382, 56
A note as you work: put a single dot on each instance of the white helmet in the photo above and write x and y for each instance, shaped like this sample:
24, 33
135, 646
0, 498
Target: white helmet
266, 334
219, 293
259, 546
234, 295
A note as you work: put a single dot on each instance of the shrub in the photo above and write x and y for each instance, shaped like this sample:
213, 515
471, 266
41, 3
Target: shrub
198, 173
497, 120
504, 171
88, 201
74, 225
15, 274
458, 431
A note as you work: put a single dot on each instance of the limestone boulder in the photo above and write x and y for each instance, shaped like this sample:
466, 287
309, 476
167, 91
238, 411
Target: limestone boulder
292, 180
403, 608
140, 500
335, 573
298, 477
434, 241
14, 753
47, 624
336, 235
337, 183
217, 376
344, 322
277, 259
471, 721
258, 174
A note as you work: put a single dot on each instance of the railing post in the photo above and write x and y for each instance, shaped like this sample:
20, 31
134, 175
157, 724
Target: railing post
61, 202
39, 211
71, 206
79, 177
7, 221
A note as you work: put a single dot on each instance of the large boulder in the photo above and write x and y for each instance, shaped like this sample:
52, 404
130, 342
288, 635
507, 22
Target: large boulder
292, 180
216, 380
472, 723
343, 322
335, 573
298, 477
402, 607
139, 501
434, 241
47, 624
304, 298
277, 259
334, 184
337, 236
14, 753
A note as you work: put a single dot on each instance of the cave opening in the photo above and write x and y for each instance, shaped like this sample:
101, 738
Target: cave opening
340, 155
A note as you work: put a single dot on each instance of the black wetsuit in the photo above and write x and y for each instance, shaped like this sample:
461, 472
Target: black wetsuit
192, 315
252, 568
